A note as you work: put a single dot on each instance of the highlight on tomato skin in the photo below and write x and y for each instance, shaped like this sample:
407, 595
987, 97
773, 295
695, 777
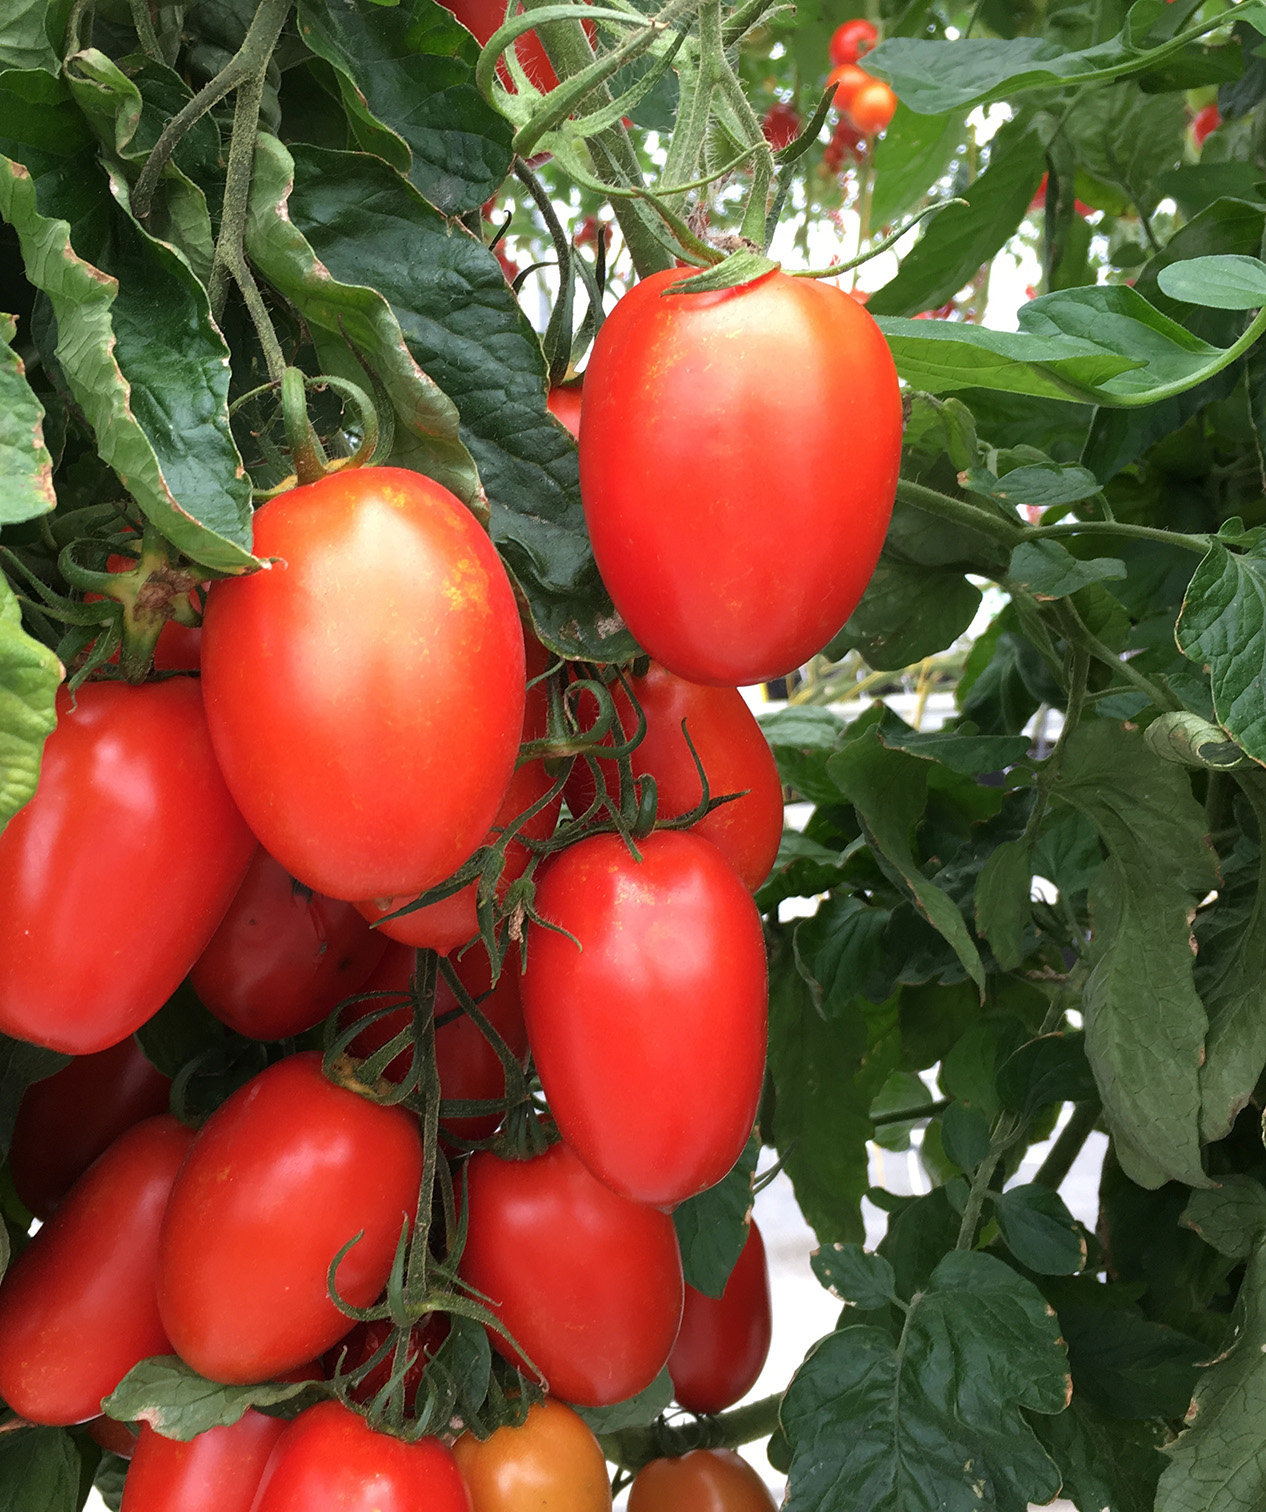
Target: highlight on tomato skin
218, 1471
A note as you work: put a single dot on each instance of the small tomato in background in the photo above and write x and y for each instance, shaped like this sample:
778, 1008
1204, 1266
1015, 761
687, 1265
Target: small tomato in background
852, 40
366, 1339
781, 125
705, 1480
724, 1340
1204, 122
847, 79
872, 106
550, 1463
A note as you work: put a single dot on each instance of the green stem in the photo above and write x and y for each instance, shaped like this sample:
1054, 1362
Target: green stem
1197, 543
144, 24
631, 1448
907, 1115
305, 448
1074, 628
1004, 1132
959, 511
1059, 1160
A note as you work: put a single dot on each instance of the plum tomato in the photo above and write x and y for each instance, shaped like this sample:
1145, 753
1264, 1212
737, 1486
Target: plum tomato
852, 40
724, 1340
550, 1463
330, 1460
735, 755
65, 1121
564, 403
705, 1480
78, 1307
365, 693
595, 1311
114, 1437
283, 956
650, 1037
277, 1181
115, 875
724, 434
218, 1471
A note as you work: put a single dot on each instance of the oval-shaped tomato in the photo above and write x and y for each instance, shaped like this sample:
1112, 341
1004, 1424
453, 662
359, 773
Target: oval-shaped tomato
550, 1463
650, 1037
279, 1178
365, 693
739, 454
724, 1340
283, 956
587, 1282
65, 1121
872, 106
330, 1460
564, 404
705, 1480
113, 1436
115, 875
218, 1471
78, 1306
735, 755
852, 40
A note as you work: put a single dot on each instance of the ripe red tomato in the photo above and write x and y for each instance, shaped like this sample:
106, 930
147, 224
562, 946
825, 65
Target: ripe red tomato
705, 1480
848, 79
279, 1178
330, 1460
588, 1282
483, 17
1205, 121
366, 1339
852, 40
650, 1038
724, 1340
782, 124
365, 694
219, 1471
702, 469
114, 1437
735, 756
564, 403
872, 107
78, 1306
551, 1463
283, 956
65, 1121
115, 875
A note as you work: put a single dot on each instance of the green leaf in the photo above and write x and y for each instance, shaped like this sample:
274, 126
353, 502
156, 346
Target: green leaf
1003, 908
1219, 1462
1050, 1069
907, 613
1048, 570
636, 1412
1039, 1230
1196, 186
1126, 139
840, 952
411, 68
1231, 1217
910, 157
889, 791
180, 1404
1107, 1465
39, 1468
712, 1227
1044, 486
1226, 283
20, 1065
935, 1424
1223, 626
24, 36
1145, 1024
464, 328
26, 469
738, 269
955, 243
109, 1479
960, 749
30, 675
965, 1136
849, 1273
1190, 741
803, 727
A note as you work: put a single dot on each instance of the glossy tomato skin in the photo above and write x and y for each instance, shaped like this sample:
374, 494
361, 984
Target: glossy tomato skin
330, 1460
872, 107
650, 1038
852, 40
723, 434
596, 1312
279, 1178
283, 956
65, 1121
365, 694
550, 1463
219, 1471
564, 404
115, 875
78, 1307
724, 1341
735, 755
705, 1480
483, 17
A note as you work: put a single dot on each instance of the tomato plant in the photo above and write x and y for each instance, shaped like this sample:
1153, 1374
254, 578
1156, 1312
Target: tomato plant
724, 1340
218, 1471
550, 1463
704, 1480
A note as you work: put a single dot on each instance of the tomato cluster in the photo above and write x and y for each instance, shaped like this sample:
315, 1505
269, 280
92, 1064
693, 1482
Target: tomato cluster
867, 102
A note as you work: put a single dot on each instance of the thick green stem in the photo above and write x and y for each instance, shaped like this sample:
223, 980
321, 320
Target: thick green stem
1197, 543
1073, 627
1059, 1160
908, 1115
959, 511
144, 24
632, 1448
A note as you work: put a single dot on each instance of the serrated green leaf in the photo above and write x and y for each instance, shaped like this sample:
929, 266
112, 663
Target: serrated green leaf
1042, 486
1003, 908
1145, 1024
1039, 1230
1226, 283
1107, 1465
1231, 1217
1050, 1069
965, 1136
909, 158
39, 1467
26, 469
961, 750
1050, 571
636, 1412
30, 675
24, 36
180, 1404
907, 613
1127, 139
840, 951
1127, 1364
937, 1425
1223, 626
852, 1275
712, 1227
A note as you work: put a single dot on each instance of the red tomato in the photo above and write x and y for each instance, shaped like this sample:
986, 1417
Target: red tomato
366, 1339
78, 1306
852, 40
65, 1121
483, 17
365, 694
650, 1038
469, 1067
705, 1480
219, 1471
724, 1340
848, 79
782, 124
872, 107
588, 1283
331, 1460
115, 875
735, 756
551, 1463
1204, 122
114, 1437
279, 1178
284, 956
702, 469
564, 403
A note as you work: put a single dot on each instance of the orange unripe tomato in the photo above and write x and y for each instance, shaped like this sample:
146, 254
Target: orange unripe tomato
848, 79
705, 1480
552, 1463
872, 106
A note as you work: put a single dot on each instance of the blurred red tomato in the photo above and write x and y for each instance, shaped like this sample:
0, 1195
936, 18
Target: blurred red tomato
852, 40
782, 124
